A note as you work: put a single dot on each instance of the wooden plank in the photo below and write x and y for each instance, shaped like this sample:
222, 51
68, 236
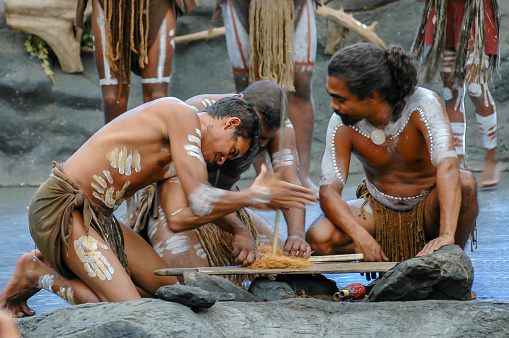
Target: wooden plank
336, 258
332, 268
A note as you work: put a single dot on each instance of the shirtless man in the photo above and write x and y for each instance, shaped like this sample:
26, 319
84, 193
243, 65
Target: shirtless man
415, 199
180, 248
85, 255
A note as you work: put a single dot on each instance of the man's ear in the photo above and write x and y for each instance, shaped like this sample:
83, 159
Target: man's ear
375, 97
232, 122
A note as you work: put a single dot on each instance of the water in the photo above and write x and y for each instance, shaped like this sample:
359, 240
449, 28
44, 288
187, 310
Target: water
491, 273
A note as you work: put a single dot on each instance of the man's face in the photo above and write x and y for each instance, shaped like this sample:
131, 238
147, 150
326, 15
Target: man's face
266, 135
222, 146
345, 103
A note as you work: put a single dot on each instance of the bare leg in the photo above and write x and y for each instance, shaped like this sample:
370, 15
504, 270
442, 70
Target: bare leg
455, 105
486, 119
8, 328
467, 215
156, 74
301, 113
114, 103
31, 274
327, 239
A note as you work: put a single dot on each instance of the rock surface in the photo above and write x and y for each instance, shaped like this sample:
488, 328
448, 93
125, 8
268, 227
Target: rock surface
41, 123
285, 318
190, 296
267, 289
445, 274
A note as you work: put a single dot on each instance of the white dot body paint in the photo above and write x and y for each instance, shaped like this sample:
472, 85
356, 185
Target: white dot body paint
203, 199
199, 251
46, 282
330, 171
447, 93
95, 264
282, 158
67, 294
288, 124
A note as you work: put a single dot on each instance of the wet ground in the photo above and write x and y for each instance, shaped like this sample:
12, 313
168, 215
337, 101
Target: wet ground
491, 273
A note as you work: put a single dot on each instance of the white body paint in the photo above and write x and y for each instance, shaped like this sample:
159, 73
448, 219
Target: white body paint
161, 60
203, 199
458, 132
282, 158
95, 264
199, 251
108, 80
194, 147
46, 282
488, 128
67, 294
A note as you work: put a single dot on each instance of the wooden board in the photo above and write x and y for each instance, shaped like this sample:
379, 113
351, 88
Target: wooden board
336, 258
332, 268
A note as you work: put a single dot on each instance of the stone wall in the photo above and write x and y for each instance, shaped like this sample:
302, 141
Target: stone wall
40, 123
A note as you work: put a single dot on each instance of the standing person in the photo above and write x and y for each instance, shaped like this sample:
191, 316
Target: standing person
259, 36
460, 38
133, 35
85, 254
414, 199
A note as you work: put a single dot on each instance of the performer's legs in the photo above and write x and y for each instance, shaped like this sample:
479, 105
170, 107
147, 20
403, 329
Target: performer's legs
155, 77
486, 116
113, 103
467, 215
300, 103
327, 239
454, 97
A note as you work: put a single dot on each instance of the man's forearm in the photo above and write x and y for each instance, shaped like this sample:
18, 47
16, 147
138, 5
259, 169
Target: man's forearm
449, 196
295, 220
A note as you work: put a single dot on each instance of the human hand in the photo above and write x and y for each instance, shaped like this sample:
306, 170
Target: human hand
245, 250
297, 246
436, 244
279, 194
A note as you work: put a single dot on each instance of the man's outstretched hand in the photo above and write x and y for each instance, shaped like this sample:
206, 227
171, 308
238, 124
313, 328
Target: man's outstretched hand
274, 193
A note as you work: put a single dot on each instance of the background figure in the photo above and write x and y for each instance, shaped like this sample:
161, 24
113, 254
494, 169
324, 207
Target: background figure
465, 37
142, 44
239, 22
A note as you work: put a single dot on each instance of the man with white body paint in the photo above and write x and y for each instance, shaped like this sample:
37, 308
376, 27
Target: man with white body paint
461, 39
169, 234
415, 199
147, 51
85, 254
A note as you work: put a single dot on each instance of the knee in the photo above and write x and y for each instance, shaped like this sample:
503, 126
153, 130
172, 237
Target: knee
319, 243
114, 104
152, 94
468, 187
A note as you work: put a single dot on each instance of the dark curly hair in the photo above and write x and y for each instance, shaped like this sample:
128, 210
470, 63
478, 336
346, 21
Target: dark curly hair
366, 68
269, 99
250, 126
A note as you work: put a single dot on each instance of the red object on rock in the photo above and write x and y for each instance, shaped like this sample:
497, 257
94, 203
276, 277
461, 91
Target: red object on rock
353, 291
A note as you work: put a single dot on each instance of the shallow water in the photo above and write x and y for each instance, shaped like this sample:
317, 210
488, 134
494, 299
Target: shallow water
491, 272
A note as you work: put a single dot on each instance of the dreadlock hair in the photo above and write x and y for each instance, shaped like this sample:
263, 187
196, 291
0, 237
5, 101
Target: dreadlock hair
126, 32
267, 98
249, 128
367, 68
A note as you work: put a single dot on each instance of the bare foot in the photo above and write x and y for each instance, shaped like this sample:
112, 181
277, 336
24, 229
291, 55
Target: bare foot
473, 295
491, 174
22, 285
307, 183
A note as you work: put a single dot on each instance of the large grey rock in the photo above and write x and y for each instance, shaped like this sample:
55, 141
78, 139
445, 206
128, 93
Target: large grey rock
191, 296
216, 284
269, 290
445, 274
286, 318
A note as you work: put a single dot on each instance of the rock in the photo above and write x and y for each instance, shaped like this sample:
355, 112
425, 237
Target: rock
216, 284
310, 285
445, 274
285, 318
191, 296
269, 290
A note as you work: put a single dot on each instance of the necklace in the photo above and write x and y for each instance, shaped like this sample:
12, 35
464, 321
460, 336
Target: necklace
378, 135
